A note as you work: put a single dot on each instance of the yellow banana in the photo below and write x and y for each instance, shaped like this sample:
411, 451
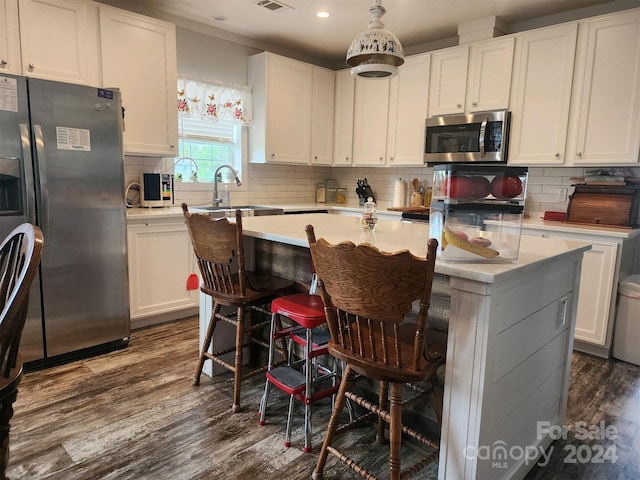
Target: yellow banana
453, 239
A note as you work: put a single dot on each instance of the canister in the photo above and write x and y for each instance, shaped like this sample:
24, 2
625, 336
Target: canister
321, 193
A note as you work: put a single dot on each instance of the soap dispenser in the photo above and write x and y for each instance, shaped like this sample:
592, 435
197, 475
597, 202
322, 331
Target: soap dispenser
369, 216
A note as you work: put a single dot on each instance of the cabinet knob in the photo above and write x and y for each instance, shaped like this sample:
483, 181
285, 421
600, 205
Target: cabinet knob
381, 159
273, 155
579, 154
475, 104
557, 155
31, 66
3, 62
346, 158
459, 105
391, 159
315, 158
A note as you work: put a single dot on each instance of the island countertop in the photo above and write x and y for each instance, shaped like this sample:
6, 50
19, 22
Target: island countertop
392, 236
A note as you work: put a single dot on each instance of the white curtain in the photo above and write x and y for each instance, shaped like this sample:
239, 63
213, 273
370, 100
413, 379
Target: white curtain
214, 101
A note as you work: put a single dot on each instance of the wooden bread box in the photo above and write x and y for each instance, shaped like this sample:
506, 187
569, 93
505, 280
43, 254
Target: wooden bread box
604, 205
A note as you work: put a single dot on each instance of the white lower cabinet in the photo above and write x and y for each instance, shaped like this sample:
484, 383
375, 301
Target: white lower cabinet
609, 260
160, 261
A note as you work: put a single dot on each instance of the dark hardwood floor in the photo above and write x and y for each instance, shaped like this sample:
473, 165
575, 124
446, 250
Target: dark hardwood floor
133, 414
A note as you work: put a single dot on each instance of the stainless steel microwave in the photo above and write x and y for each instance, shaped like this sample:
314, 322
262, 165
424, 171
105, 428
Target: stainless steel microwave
478, 137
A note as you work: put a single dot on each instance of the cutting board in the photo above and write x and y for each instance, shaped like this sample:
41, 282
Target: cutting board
418, 209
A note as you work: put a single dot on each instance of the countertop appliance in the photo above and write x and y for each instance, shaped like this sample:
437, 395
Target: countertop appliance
62, 168
478, 137
156, 190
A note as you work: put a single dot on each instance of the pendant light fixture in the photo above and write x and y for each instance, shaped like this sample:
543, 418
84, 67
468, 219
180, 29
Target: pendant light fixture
376, 52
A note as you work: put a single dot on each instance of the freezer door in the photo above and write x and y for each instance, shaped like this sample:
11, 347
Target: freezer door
79, 171
17, 200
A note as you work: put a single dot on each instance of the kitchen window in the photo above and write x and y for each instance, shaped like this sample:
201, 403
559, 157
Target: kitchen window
212, 119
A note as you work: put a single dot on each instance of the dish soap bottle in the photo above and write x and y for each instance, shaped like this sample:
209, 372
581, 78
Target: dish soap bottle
369, 216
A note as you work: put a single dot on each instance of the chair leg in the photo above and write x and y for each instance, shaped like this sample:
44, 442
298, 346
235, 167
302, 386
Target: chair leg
437, 395
6, 413
382, 403
333, 423
207, 343
276, 324
395, 430
262, 412
235, 407
309, 376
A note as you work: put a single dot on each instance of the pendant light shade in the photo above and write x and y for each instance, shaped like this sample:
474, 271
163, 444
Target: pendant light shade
376, 52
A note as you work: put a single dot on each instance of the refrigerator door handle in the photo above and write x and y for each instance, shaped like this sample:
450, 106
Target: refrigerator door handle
41, 161
25, 138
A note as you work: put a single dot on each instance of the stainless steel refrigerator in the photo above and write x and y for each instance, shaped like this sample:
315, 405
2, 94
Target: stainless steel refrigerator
61, 167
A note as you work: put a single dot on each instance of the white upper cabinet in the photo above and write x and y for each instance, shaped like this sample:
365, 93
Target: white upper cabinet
370, 121
542, 79
472, 78
408, 102
605, 117
9, 37
449, 81
389, 116
139, 58
282, 104
343, 118
58, 40
322, 116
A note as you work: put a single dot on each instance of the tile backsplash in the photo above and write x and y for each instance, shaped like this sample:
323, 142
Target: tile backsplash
292, 183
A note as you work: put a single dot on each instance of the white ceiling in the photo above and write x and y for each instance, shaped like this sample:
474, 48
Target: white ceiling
414, 22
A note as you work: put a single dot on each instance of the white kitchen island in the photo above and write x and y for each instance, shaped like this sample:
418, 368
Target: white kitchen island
511, 328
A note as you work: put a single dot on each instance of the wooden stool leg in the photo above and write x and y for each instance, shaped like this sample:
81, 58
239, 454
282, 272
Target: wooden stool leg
382, 403
333, 423
395, 430
235, 407
436, 392
6, 413
207, 343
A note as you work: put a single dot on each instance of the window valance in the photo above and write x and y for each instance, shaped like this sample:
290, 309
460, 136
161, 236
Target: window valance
214, 102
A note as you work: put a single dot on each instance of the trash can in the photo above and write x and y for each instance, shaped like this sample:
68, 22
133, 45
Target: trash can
626, 339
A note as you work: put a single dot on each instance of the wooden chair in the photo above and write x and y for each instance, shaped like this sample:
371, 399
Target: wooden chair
218, 246
20, 255
371, 332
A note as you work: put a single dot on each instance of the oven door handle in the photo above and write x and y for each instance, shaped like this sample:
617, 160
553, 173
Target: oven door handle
483, 130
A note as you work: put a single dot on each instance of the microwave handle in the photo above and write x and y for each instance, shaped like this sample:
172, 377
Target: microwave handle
483, 130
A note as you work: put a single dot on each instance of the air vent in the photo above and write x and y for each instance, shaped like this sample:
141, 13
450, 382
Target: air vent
273, 6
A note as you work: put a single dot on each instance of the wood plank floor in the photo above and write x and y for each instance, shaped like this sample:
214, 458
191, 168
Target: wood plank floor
133, 414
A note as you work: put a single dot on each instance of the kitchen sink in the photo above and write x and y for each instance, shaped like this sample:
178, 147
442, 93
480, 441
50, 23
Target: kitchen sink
247, 211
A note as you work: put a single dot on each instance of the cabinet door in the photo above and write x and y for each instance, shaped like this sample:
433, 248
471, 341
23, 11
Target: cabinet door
596, 284
370, 121
490, 75
322, 116
343, 118
542, 82
288, 124
160, 260
607, 95
139, 57
58, 39
408, 102
448, 81
9, 37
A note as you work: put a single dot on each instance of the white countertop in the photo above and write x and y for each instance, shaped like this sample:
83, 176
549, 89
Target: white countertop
392, 236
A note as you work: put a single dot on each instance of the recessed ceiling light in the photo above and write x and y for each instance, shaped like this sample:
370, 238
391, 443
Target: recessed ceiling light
322, 14
220, 18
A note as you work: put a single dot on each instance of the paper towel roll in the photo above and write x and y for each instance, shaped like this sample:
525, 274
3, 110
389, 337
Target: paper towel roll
399, 193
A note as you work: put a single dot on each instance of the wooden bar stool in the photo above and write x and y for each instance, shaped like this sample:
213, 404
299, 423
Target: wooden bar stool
304, 378
373, 333
218, 246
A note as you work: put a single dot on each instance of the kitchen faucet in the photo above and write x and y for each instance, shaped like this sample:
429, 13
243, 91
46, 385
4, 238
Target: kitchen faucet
216, 199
